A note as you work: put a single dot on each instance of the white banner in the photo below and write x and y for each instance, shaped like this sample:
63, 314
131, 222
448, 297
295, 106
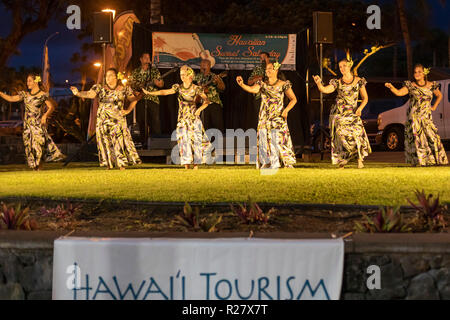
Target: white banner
197, 269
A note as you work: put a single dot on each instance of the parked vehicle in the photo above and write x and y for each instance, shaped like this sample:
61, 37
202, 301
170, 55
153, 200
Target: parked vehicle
391, 123
369, 117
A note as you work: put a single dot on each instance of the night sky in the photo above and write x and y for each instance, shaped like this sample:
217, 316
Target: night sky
62, 47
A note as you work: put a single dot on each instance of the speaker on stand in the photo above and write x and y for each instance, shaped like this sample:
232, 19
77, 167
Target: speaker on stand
103, 34
322, 33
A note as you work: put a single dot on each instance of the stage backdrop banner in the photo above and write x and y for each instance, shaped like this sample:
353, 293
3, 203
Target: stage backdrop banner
225, 51
197, 269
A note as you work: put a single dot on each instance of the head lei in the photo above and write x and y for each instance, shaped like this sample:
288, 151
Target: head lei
276, 65
120, 76
350, 62
426, 71
37, 79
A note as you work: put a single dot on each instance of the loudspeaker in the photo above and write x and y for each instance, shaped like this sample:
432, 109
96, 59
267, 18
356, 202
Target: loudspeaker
323, 27
103, 27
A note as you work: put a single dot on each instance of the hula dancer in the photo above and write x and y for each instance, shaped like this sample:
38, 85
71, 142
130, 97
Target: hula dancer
423, 145
192, 141
348, 136
38, 143
273, 138
114, 142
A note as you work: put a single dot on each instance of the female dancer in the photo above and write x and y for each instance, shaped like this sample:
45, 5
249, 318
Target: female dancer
348, 136
192, 141
422, 143
36, 139
114, 142
273, 137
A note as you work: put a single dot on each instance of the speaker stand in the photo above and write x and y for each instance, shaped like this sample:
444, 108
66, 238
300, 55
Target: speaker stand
321, 103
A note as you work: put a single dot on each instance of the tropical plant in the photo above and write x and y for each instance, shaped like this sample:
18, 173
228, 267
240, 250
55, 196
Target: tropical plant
17, 218
61, 212
430, 214
252, 213
190, 219
386, 220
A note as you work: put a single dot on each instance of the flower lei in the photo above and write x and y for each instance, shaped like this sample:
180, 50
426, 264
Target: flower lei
276, 65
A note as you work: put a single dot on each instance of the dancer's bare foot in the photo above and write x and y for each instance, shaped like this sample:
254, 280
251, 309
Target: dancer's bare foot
360, 164
341, 166
122, 168
195, 167
186, 166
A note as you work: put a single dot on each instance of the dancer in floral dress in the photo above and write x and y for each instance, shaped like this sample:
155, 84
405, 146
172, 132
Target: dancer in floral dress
38, 143
423, 145
273, 138
114, 142
193, 144
348, 136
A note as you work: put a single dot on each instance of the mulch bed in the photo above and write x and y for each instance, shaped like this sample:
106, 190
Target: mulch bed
122, 217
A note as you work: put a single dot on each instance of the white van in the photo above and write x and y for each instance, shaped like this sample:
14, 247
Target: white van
391, 124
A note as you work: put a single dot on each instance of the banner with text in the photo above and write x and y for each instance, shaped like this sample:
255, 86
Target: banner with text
197, 269
224, 51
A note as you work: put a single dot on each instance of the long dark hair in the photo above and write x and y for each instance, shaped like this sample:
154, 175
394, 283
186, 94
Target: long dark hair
33, 75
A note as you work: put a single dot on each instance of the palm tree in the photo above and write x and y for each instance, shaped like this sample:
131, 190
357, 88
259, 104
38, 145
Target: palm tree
406, 35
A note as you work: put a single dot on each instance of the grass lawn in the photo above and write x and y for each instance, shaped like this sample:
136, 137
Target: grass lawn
377, 184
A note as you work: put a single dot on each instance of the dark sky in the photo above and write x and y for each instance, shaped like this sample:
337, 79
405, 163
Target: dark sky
66, 43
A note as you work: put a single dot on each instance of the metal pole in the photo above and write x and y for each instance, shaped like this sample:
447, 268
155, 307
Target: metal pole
145, 125
104, 63
321, 105
45, 44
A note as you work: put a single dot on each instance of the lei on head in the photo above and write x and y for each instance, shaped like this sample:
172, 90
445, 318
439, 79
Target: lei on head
120, 76
426, 71
37, 79
350, 62
276, 65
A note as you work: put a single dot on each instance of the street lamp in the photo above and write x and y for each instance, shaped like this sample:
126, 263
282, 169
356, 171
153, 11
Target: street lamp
112, 11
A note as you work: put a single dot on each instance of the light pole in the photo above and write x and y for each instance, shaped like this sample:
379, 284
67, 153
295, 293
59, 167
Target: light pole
43, 55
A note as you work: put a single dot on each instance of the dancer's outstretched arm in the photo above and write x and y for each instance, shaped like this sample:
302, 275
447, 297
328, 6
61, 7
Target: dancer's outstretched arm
324, 89
398, 92
9, 98
252, 89
165, 92
83, 94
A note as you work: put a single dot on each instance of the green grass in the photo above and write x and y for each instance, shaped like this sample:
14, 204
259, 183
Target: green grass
377, 184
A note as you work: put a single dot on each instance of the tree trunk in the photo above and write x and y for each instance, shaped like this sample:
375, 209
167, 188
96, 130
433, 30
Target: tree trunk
155, 11
395, 58
406, 35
